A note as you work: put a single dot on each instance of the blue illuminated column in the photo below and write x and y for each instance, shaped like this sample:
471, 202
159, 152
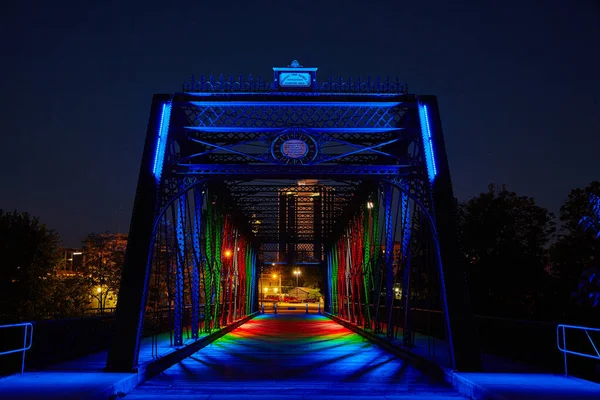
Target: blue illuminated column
129, 316
161, 140
427, 142
462, 333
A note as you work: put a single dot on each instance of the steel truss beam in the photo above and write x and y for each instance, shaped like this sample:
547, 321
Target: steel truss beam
282, 172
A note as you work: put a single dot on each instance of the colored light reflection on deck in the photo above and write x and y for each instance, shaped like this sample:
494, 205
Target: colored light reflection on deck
292, 355
300, 347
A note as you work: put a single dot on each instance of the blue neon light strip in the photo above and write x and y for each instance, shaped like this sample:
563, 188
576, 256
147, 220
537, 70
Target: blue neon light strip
212, 103
303, 94
427, 142
161, 141
360, 130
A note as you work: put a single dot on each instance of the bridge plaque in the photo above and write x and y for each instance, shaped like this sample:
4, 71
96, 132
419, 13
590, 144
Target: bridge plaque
294, 148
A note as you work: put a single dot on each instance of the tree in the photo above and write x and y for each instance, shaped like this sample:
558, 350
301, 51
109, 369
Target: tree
29, 253
314, 294
503, 238
70, 297
574, 256
104, 254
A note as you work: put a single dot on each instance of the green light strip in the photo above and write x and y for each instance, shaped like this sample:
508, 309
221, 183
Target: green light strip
208, 284
218, 232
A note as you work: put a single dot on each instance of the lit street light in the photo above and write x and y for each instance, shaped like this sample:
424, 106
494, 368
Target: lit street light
277, 289
297, 273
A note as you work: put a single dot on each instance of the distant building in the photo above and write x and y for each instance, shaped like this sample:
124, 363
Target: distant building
72, 263
269, 285
300, 292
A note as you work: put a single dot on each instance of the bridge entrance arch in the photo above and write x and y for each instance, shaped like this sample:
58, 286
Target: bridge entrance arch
348, 176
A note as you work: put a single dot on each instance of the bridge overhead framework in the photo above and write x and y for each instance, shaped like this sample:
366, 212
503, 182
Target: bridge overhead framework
349, 176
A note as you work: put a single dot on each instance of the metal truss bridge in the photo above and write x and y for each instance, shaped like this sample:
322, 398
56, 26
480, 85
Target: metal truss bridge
349, 177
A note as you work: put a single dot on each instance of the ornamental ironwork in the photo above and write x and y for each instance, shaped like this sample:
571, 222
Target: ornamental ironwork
294, 147
249, 84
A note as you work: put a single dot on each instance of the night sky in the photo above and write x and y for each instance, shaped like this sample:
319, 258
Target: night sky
518, 86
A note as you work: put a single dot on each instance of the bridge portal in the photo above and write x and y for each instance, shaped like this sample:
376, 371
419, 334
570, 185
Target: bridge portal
346, 176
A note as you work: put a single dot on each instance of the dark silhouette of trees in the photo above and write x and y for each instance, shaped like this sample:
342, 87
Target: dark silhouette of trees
29, 254
575, 254
503, 238
69, 297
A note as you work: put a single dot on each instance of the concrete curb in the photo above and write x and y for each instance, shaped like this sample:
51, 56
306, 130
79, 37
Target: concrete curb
462, 385
469, 388
150, 369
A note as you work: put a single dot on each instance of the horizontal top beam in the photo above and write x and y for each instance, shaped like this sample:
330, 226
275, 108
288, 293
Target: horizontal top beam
226, 129
318, 171
234, 103
317, 97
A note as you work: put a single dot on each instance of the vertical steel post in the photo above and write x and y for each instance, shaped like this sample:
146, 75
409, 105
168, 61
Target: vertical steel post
25, 348
406, 267
564, 334
460, 324
129, 316
389, 259
318, 227
283, 236
195, 292
180, 237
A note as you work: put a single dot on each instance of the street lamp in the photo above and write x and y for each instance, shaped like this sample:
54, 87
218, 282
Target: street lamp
275, 277
297, 273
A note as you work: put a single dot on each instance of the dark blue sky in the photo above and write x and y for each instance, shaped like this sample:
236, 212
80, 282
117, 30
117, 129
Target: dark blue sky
518, 84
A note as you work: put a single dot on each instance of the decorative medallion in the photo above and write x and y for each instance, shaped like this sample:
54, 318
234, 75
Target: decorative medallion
295, 79
294, 146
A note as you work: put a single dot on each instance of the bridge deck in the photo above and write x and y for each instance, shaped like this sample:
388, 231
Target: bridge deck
292, 356
286, 356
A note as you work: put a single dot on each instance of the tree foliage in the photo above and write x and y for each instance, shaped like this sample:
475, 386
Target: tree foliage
29, 253
576, 252
503, 237
70, 297
104, 254
314, 294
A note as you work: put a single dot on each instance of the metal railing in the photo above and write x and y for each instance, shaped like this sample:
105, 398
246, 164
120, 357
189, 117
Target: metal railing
27, 340
562, 329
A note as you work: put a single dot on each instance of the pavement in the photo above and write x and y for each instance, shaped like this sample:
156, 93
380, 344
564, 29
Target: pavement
290, 355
